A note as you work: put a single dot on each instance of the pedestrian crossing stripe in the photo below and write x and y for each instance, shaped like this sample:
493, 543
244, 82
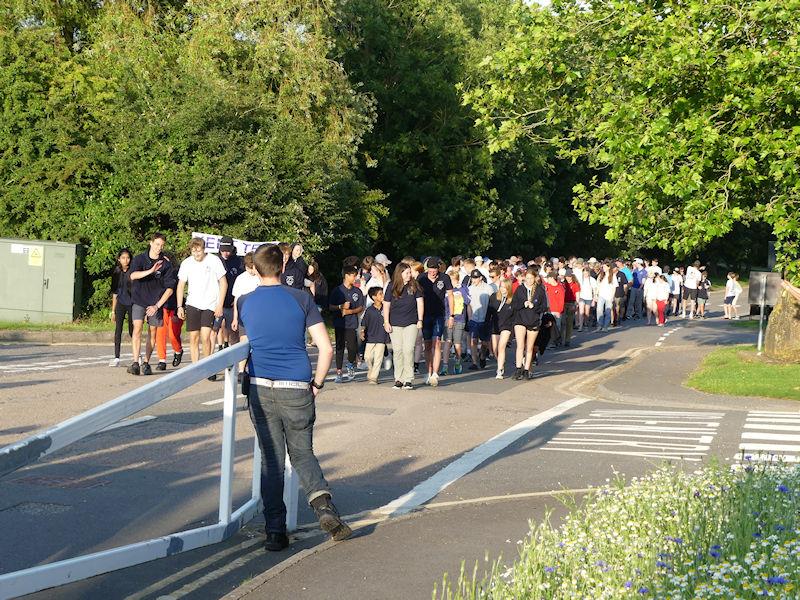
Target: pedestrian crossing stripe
655, 434
770, 437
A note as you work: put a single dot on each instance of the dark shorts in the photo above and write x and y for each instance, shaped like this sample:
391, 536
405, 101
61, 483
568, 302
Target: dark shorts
432, 327
197, 319
227, 316
689, 294
527, 327
455, 333
729, 299
480, 331
139, 314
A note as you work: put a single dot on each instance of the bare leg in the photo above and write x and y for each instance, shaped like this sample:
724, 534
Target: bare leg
519, 335
194, 345
136, 341
530, 340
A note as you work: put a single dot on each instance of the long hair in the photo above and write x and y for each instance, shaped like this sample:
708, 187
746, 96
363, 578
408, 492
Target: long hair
505, 283
117, 266
397, 280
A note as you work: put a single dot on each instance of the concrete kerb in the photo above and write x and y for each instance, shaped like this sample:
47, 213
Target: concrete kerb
364, 519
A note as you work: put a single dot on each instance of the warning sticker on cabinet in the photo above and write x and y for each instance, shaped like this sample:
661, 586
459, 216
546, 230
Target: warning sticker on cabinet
35, 256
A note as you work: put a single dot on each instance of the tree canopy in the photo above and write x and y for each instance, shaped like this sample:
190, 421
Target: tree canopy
685, 112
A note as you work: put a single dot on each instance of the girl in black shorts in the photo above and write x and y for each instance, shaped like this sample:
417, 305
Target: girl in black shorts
502, 321
529, 304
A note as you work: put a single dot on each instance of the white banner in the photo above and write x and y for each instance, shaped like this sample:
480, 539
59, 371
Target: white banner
242, 246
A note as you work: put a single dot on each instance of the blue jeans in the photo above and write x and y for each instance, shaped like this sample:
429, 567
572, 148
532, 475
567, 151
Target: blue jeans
284, 420
604, 312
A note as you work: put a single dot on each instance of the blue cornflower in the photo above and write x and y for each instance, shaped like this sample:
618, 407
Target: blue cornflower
748, 457
600, 563
697, 494
677, 540
780, 528
661, 564
757, 534
628, 584
715, 553
777, 579
643, 590
549, 569
665, 555
783, 489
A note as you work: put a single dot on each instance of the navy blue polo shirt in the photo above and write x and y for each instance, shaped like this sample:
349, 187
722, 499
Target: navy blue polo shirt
276, 318
374, 332
341, 295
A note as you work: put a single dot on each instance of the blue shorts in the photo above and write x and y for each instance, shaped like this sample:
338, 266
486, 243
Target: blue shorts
481, 331
432, 327
729, 299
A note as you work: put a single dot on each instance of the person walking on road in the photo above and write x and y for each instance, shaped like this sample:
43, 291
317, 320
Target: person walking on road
121, 302
208, 285
282, 394
529, 304
374, 335
346, 303
403, 310
437, 289
152, 280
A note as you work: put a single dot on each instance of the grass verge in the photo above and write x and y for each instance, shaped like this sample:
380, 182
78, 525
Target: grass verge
714, 533
737, 371
78, 325
747, 324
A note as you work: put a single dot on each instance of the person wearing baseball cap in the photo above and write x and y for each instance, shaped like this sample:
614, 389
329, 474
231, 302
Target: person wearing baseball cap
382, 259
437, 290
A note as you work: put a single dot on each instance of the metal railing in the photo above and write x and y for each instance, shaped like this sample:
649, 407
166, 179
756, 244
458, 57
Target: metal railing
31, 449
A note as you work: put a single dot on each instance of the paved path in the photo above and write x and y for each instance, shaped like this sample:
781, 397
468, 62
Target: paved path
615, 403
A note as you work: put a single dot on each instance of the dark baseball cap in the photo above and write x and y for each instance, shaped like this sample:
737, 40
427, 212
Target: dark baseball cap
226, 244
432, 262
475, 274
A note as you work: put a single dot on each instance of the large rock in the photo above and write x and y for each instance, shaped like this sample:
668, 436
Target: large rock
782, 339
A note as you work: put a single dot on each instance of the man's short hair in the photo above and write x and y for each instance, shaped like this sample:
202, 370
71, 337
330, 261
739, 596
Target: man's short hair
157, 235
197, 243
268, 260
350, 270
374, 291
248, 260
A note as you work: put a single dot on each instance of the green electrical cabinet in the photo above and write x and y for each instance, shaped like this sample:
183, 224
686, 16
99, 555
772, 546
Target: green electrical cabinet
40, 281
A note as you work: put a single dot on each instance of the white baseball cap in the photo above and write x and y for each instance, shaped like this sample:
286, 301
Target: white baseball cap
381, 258
478, 259
593, 260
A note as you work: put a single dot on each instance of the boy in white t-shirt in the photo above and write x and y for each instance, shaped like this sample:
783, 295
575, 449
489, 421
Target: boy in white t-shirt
244, 284
690, 283
732, 290
205, 275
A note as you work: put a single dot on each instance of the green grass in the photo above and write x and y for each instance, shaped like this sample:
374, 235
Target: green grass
747, 324
88, 324
737, 371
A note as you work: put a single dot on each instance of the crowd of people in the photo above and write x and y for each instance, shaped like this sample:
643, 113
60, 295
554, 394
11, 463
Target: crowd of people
447, 315
451, 315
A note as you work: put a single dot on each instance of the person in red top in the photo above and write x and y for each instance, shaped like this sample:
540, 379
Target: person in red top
555, 300
572, 290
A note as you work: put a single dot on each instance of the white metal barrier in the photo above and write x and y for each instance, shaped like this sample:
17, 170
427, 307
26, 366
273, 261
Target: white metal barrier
31, 449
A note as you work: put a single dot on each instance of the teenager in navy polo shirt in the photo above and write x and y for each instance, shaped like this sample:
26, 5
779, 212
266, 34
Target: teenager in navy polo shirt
276, 318
436, 290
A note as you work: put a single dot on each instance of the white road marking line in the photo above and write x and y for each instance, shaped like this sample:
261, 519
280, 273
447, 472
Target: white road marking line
659, 455
219, 400
468, 461
629, 432
764, 446
658, 344
128, 423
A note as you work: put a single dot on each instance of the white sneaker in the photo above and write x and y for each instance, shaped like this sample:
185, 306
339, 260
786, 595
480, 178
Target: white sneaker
338, 378
428, 379
114, 362
499, 374
433, 379
351, 372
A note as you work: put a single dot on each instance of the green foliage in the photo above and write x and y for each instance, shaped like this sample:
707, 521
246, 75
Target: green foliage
215, 115
686, 112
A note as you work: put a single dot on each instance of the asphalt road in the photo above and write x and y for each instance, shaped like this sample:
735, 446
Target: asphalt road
375, 445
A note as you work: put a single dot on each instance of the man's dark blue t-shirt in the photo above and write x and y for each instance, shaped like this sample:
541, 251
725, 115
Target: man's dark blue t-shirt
234, 267
147, 291
276, 318
434, 294
341, 295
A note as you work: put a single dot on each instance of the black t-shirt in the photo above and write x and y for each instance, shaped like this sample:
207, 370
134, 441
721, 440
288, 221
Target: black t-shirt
434, 294
622, 281
341, 295
702, 288
502, 313
234, 267
295, 273
147, 291
529, 317
121, 286
374, 333
402, 310
321, 291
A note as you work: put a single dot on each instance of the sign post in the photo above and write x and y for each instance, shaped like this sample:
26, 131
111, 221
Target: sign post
761, 312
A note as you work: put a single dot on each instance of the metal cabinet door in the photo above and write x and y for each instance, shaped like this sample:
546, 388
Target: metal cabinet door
59, 281
20, 283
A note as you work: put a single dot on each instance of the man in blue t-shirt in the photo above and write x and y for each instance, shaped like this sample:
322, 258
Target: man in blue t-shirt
276, 318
